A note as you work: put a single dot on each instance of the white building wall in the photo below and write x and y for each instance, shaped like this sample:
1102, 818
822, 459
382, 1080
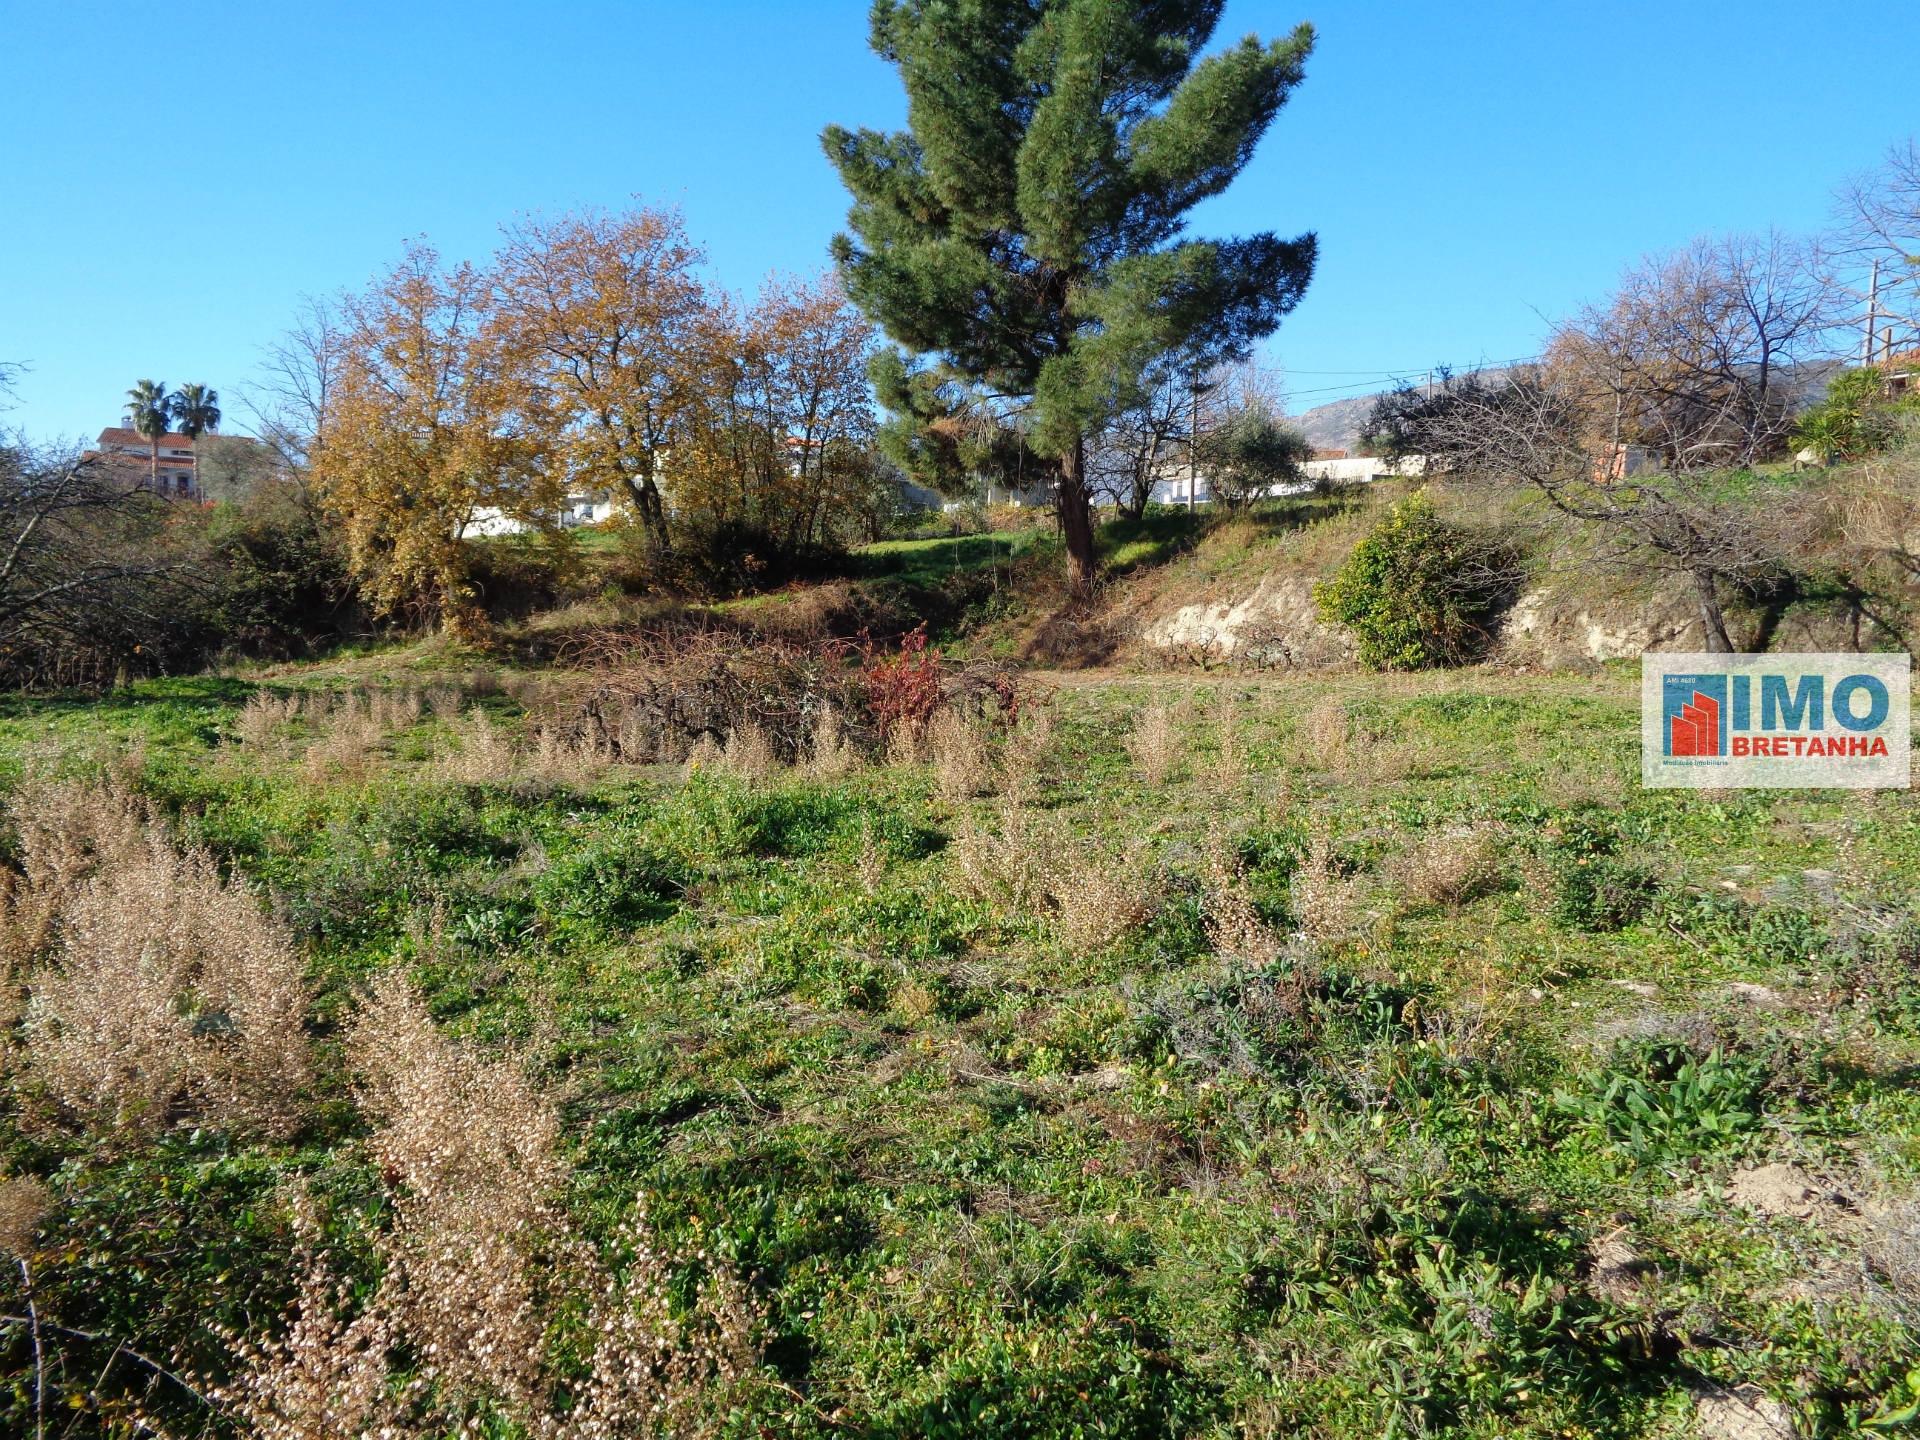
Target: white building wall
1349, 470
579, 510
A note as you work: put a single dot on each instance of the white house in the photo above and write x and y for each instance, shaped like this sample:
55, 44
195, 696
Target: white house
1325, 470
1361, 469
576, 510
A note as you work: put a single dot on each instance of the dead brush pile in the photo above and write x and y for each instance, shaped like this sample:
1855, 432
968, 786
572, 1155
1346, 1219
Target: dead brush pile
660, 693
478, 1263
157, 991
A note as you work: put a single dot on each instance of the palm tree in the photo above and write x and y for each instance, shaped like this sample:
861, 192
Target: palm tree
196, 410
149, 409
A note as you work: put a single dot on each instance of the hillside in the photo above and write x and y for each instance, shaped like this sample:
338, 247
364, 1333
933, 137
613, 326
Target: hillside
1336, 424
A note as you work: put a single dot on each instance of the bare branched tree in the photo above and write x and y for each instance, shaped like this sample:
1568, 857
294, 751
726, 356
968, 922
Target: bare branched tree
1533, 430
84, 571
1181, 409
1143, 441
1694, 358
288, 400
1879, 244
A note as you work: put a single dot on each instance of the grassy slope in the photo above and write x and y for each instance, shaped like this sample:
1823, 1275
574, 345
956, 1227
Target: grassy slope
996, 1184
1173, 558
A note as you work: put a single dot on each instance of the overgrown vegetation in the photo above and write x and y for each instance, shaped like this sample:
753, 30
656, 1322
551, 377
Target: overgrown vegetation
1858, 416
403, 1054
711, 989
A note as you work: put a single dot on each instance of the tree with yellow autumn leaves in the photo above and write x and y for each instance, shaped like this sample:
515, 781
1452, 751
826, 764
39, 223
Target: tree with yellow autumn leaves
428, 424
588, 355
608, 319
780, 444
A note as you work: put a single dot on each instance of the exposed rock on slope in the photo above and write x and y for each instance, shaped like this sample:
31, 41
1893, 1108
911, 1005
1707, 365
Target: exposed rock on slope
1274, 624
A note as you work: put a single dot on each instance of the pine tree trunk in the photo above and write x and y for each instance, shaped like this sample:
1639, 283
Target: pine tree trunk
1712, 619
1076, 518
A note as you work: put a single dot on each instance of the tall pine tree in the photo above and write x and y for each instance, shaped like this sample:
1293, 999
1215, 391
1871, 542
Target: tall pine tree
1024, 238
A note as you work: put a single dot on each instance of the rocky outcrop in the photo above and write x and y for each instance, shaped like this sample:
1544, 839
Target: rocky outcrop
1273, 625
1544, 629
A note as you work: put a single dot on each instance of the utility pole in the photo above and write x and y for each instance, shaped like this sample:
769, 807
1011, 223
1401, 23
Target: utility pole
1873, 306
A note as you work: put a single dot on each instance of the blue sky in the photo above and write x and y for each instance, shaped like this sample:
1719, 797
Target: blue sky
1470, 167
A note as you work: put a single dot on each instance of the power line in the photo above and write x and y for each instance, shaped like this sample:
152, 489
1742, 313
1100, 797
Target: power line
1403, 370
1363, 387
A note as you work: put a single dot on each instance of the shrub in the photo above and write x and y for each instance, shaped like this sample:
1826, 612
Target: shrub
1593, 888
168, 993
904, 688
277, 583
1449, 868
1602, 894
830, 754
478, 1262
1154, 742
961, 766
612, 886
1663, 1103
1765, 936
1418, 591
518, 575
1325, 902
1855, 418
722, 558
1233, 919
1102, 896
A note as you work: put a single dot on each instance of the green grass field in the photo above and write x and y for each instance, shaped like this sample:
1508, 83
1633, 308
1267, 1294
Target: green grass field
1390, 1081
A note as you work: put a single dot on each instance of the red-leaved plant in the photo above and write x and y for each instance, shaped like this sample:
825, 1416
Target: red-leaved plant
903, 688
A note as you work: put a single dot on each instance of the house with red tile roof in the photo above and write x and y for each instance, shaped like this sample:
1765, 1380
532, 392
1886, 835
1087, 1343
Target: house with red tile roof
168, 470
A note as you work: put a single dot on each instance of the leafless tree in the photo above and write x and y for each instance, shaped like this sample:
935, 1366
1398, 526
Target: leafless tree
1879, 214
1177, 410
288, 400
1534, 430
1694, 358
85, 576
1143, 442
